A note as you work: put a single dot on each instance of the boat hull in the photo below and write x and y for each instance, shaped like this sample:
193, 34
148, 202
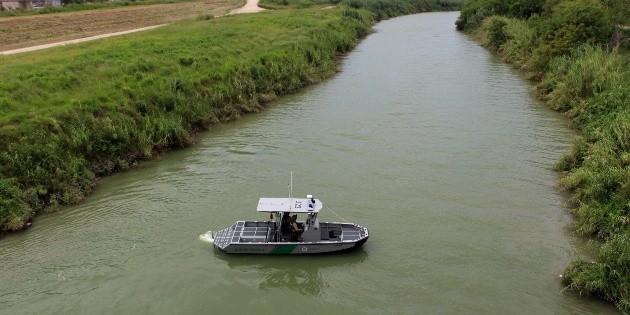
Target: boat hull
259, 237
292, 248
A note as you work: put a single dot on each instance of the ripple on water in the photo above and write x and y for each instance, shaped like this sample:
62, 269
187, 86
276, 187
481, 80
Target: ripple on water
424, 137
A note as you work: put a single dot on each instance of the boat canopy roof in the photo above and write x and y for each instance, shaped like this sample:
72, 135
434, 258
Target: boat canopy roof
295, 205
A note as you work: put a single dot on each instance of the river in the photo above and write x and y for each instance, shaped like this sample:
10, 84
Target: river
424, 137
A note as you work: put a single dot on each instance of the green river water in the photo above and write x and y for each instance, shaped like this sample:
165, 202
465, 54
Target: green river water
424, 137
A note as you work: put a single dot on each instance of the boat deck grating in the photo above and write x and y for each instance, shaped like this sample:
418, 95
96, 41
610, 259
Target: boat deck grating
239, 233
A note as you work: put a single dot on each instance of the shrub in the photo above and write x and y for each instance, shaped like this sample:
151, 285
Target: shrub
619, 9
475, 11
571, 24
497, 32
525, 8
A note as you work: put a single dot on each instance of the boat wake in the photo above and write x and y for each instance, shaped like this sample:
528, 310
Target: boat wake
207, 237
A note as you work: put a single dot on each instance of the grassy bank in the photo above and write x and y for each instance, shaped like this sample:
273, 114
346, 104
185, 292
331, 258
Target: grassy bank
578, 51
83, 111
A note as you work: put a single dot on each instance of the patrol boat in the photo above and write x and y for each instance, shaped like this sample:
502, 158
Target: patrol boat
273, 237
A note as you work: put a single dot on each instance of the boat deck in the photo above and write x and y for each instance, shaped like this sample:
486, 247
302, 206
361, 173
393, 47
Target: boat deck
263, 232
252, 232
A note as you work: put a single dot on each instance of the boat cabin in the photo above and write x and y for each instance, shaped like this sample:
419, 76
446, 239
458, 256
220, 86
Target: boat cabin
282, 207
271, 237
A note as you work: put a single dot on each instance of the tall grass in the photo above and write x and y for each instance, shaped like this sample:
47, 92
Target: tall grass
382, 9
84, 111
591, 84
79, 112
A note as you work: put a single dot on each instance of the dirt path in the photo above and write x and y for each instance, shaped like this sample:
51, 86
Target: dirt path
74, 41
51, 30
250, 7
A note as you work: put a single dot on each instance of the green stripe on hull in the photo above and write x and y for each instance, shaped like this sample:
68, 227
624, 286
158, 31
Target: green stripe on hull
283, 249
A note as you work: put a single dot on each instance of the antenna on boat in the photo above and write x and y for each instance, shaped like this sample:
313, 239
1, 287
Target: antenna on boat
291, 186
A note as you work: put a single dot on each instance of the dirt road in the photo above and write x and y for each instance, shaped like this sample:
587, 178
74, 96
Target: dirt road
250, 7
29, 31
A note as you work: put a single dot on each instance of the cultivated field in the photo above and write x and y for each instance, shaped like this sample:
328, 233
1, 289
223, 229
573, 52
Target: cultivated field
26, 31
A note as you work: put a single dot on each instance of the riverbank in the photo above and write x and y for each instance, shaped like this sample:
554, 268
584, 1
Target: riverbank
580, 57
84, 111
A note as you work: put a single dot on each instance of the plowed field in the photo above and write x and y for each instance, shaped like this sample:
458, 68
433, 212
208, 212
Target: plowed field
20, 32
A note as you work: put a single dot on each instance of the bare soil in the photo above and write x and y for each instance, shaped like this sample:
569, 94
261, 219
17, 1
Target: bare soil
27, 31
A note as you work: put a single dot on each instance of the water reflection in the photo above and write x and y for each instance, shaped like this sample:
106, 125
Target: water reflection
302, 274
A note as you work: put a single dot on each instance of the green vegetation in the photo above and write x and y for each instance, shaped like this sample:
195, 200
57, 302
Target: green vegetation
579, 51
83, 111
382, 9
475, 11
